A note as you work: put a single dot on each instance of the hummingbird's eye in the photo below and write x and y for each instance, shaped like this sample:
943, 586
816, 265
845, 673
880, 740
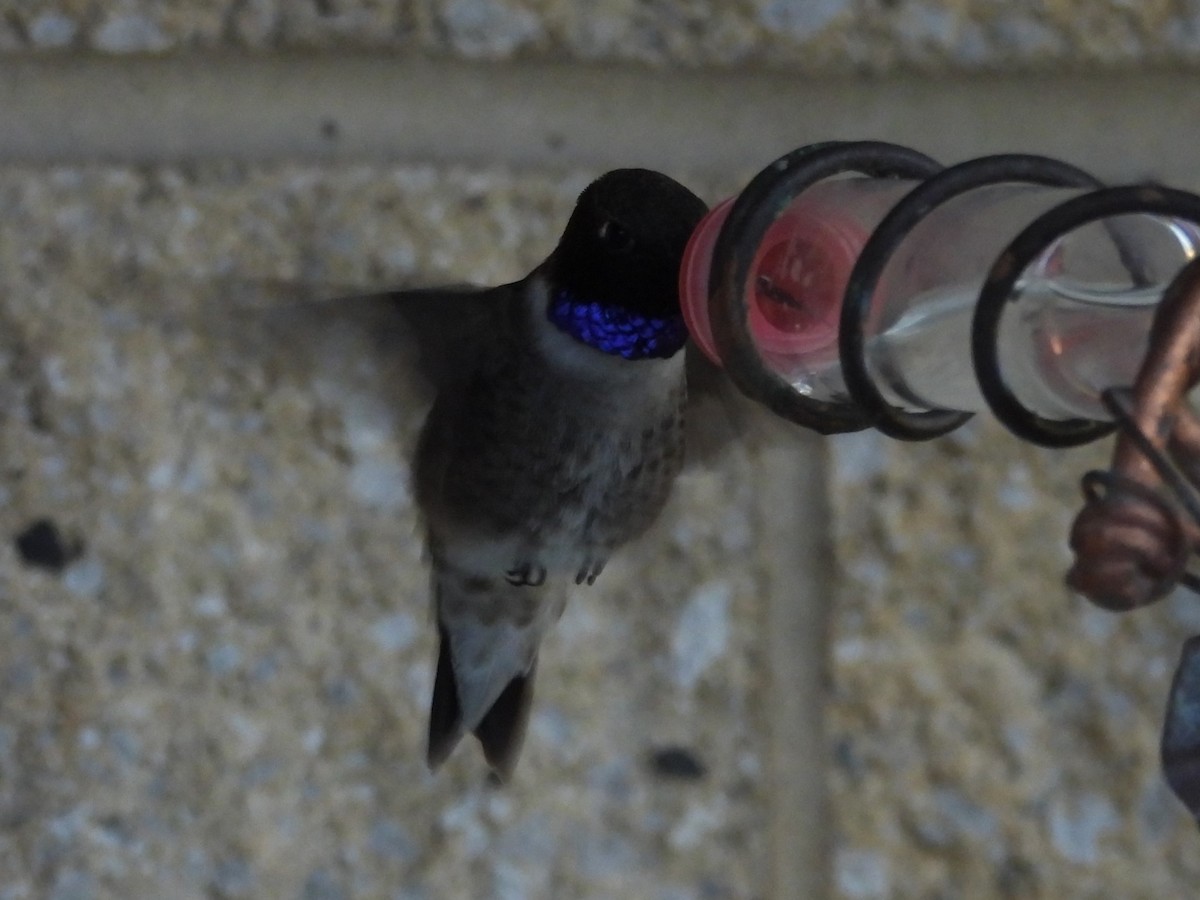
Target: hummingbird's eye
615, 236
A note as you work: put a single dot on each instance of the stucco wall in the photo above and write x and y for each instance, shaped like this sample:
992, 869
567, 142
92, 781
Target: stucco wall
220, 689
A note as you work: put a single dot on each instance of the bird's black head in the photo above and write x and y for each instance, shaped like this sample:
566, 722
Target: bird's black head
620, 254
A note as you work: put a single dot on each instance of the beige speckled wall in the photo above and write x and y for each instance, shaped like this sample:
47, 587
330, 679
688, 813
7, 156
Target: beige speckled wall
805, 35
992, 735
218, 687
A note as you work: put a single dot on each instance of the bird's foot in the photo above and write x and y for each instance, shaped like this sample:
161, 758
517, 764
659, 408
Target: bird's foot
526, 574
590, 572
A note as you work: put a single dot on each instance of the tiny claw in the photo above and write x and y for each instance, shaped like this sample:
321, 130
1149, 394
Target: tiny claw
589, 573
526, 575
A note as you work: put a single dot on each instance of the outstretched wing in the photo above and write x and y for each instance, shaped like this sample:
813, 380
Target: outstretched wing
402, 344
446, 325
719, 417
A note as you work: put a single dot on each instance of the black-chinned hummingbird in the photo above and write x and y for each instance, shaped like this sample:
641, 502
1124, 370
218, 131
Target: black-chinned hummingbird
554, 438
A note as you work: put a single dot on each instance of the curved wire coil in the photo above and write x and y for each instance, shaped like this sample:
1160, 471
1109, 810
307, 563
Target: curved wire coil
753, 212
771, 192
1140, 525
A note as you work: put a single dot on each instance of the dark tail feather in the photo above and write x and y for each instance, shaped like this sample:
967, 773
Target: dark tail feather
502, 730
445, 715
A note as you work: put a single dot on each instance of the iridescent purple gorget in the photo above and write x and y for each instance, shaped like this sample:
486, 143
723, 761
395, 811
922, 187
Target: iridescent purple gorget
611, 329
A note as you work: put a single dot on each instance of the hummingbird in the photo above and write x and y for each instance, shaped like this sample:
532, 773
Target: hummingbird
555, 435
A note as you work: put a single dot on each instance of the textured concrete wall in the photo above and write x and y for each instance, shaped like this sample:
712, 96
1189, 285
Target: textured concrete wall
214, 647
807, 35
991, 735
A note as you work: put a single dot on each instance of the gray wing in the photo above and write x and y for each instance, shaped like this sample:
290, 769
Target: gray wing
720, 418
406, 343
446, 326
402, 345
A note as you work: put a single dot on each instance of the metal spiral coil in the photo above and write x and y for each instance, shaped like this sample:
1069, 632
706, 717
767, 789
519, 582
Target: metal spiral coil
771, 191
1140, 525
